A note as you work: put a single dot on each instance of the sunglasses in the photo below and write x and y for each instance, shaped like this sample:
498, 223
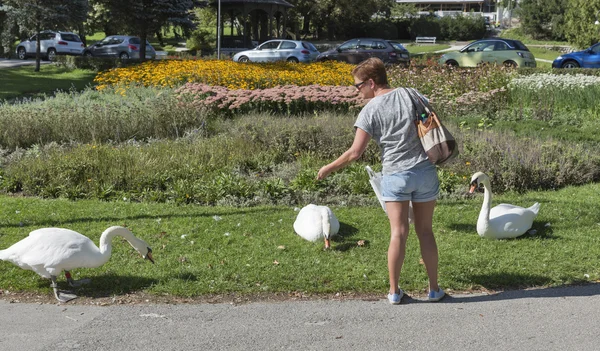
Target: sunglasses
358, 85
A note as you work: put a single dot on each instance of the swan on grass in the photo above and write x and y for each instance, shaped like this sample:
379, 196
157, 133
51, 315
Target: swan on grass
49, 251
503, 221
316, 222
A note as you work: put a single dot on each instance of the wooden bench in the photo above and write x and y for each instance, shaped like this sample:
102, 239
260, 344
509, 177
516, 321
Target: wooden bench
428, 40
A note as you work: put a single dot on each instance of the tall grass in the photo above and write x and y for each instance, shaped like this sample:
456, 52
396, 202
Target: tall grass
92, 117
264, 159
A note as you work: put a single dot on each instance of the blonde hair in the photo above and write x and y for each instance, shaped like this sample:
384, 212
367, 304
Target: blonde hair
372, 68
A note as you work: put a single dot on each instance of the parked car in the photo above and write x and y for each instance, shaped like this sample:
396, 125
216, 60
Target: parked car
51, 44
279, 50
358, 50
588, 58
121, 46
500, 51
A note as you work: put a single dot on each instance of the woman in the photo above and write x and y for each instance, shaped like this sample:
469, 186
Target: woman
408, 175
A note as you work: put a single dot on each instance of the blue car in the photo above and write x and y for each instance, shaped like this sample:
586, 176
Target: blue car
588, 58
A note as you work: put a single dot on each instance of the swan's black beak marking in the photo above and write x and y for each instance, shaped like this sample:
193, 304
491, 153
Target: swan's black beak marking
149, 256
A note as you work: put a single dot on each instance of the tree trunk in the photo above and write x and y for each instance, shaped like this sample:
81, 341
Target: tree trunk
37, 49
159, 37
143, 38
81, 32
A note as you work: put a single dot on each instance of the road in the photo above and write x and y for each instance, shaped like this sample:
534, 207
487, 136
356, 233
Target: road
565, 318
7, 63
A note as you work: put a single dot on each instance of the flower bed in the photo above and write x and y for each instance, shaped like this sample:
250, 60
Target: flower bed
229, 74
287, 99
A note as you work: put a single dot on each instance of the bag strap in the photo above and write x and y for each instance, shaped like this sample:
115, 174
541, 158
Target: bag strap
419, 106
415, 96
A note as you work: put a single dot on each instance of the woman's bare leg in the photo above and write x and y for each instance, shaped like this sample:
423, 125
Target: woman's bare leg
423, 212
398, 215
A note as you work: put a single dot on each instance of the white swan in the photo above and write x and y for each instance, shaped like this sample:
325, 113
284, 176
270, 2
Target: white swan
49, 251
503, 221
316, 222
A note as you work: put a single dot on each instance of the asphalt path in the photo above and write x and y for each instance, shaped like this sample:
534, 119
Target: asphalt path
7, 63
566, 318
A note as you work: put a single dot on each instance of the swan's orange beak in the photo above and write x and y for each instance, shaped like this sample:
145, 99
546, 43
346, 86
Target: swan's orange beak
327, 245
472, 188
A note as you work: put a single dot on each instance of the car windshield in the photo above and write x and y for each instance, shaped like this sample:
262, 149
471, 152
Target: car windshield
397, 45
70, 37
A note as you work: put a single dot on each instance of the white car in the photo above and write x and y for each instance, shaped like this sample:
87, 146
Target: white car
279, 50
51, 44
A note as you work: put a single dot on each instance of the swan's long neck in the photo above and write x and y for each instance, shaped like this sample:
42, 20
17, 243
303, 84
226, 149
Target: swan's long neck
483, 222
107, 237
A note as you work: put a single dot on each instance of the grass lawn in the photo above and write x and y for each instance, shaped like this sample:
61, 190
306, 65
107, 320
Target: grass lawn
202, 251
420, 49
543, 53
24, 82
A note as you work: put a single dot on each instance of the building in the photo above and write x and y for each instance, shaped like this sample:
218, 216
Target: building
486, 8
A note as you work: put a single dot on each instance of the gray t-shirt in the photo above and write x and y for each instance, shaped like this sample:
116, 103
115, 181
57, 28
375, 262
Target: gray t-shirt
389, 119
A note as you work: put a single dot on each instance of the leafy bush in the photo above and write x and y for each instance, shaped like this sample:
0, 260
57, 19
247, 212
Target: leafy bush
201, 39
93, 63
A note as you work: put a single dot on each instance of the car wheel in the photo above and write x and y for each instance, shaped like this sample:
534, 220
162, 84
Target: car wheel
511, 64
292, 60
124, 56
21, 53
570, 64
51, 54
243, 59
452, 63
87, 54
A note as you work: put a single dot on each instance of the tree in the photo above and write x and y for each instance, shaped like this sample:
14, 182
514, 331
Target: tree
36, 15
144, 17
543, 19
580, 27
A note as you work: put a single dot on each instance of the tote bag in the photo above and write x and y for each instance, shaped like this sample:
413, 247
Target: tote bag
438, 143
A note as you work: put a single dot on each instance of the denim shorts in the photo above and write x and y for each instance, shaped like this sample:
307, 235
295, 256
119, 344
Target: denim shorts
418, 184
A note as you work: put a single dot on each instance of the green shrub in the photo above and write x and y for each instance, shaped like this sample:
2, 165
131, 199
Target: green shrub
93, 63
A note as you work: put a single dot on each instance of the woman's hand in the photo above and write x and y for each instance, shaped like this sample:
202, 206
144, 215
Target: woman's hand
323, 172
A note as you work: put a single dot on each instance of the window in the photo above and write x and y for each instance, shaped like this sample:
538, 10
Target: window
378, 45
70, 37
47, 36
106, 40
596, 48
270, 45
500, 45
397, 46
309, 46
365, 44
287, 45
481, 46
349, 45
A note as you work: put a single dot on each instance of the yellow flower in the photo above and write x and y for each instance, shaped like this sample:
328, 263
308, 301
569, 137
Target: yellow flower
468, 163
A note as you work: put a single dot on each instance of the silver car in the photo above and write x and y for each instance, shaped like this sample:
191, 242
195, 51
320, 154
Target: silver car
121, 46
51, 44
279, 50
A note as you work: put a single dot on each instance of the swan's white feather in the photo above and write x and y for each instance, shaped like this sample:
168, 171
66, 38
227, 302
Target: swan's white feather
49, 251
309, 223
504, 221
